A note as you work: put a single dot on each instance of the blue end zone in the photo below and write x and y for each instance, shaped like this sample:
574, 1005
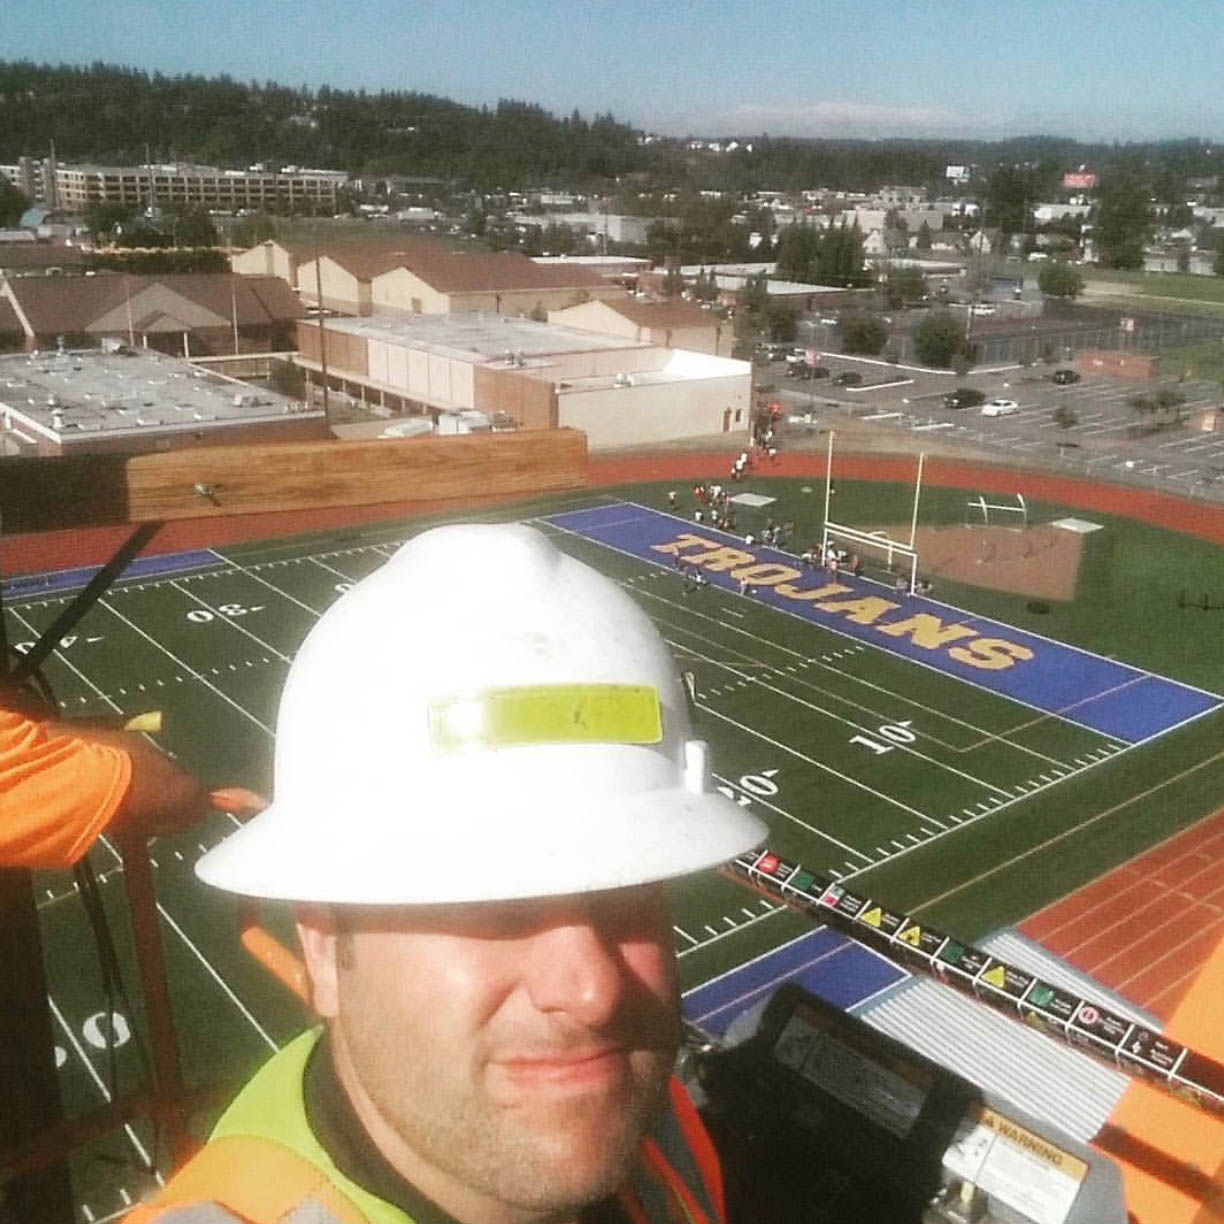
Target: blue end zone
53, 583
834, 968
1108, 697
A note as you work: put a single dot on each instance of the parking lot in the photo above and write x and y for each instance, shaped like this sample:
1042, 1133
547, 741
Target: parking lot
1100, 434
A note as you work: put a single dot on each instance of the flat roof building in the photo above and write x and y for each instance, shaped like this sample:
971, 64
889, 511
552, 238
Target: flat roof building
619, 391
133, 401
74, 186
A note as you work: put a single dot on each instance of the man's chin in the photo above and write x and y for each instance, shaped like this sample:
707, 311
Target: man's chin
572, 1169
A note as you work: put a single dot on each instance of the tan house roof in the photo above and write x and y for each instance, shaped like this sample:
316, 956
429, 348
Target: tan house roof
10, 324
477, 272
22, 257
368, 260
56, 306
675, 312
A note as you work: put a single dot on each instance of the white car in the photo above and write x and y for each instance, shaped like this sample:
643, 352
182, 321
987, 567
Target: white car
999, 407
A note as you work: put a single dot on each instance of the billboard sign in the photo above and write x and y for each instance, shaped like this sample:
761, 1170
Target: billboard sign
1078, 181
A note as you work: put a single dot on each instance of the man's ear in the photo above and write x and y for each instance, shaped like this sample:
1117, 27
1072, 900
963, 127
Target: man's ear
316, 930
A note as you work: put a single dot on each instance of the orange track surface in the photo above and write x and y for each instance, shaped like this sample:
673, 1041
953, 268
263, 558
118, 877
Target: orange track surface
1146, 928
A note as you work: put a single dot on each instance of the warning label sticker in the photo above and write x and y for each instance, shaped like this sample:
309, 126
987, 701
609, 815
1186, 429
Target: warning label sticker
1018, 1167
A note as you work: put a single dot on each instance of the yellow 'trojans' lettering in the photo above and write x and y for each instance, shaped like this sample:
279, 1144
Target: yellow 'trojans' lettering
722, 559
922, 628
766, 574
810, 594
926, 630
861, 611
990, 654
684, 540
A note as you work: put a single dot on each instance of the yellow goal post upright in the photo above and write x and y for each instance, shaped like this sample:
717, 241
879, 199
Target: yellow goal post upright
877, 549
1012, 515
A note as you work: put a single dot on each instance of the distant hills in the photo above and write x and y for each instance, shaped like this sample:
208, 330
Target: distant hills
113, 114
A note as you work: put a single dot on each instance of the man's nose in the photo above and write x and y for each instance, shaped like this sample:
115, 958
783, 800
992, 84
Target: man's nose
577, 969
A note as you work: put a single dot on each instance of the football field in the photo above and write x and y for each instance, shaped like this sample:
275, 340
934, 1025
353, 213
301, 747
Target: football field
948, 760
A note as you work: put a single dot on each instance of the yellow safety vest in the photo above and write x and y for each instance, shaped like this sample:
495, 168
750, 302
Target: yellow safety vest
263, 1165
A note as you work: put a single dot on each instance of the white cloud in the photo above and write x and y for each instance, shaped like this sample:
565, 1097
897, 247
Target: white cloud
830, 116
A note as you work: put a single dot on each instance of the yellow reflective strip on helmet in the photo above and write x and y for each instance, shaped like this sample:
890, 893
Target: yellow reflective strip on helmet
547, 714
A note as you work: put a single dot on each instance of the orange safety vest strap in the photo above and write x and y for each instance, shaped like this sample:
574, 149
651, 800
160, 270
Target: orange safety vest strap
220, 1176
700, 1145
675, 1191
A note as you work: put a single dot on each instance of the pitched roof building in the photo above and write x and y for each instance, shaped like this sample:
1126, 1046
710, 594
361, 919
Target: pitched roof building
188, 313
672, 323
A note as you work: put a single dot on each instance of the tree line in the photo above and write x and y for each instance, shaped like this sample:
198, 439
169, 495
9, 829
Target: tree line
106, 113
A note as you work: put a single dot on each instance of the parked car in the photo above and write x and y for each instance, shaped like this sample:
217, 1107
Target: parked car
964, 397
806, 372
1000, 407
982, 308
1064, 378
849, 378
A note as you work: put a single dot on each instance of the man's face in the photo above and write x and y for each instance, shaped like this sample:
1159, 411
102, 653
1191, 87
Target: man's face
505, 1057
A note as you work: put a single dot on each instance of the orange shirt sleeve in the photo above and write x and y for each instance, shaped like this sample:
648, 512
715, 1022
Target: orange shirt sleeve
57, 792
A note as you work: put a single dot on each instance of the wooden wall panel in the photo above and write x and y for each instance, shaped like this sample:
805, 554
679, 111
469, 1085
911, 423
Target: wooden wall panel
40, 494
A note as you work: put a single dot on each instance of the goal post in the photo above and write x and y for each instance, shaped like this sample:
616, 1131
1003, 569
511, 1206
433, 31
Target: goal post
883, 559
1013, 515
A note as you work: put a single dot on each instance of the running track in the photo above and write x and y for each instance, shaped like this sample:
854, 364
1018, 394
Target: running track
1145, 928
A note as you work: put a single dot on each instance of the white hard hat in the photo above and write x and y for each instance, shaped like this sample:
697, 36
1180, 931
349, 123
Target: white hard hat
484, 718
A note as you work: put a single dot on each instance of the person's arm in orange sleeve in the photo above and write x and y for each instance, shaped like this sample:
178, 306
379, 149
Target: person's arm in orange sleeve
60, 786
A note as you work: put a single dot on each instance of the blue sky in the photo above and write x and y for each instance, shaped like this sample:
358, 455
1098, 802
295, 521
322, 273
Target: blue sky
1124, 70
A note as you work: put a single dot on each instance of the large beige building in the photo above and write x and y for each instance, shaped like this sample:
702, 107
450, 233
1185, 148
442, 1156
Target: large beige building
618, 391
425, 278
74, 187
345, 269
495, 283
672, 323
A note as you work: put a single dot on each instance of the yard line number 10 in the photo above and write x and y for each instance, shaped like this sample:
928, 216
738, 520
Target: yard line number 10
887, 737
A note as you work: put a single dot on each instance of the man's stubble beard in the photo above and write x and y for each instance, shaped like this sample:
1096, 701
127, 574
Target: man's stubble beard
545, 1155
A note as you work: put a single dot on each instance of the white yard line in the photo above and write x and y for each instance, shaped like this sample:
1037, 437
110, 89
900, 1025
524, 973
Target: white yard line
212, 972
802, 756
792, 817
235, 567
186, 667
908, 749
230, 621
101, 1085
331, 569
718, 936
984, 736
789, 975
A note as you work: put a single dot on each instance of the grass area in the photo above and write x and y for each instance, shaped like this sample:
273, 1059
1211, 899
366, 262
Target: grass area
1202, 360
974, 808
1162, 284
347, 231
